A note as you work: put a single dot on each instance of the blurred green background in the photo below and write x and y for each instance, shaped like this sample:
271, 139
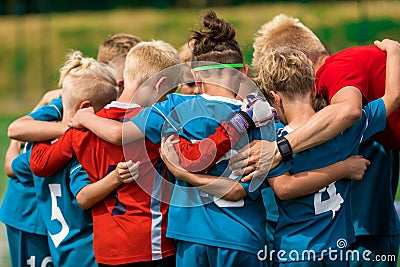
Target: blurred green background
33, 46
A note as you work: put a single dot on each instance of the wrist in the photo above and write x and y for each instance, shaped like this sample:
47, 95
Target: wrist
341, 170
284, 148
241, 122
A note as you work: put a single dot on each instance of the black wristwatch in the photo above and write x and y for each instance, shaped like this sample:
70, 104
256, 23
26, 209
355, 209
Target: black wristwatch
285, 149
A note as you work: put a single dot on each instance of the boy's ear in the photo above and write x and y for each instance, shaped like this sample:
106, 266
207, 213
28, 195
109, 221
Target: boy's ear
245, 71
160, 83
85, 104
120, 84
276, 97
197, 80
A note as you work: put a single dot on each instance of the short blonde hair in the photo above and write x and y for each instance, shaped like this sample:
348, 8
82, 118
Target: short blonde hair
115, 45
285, 70
148, 58
283, 30
86, 79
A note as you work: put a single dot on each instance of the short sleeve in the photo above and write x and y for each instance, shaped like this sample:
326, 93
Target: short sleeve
78, 176
375, 115
50, 112
21, 168
150, 120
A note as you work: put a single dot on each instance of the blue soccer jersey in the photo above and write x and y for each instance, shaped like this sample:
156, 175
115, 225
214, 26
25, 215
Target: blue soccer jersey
196, 216
311, 226
373, 198
19, 207
69, 227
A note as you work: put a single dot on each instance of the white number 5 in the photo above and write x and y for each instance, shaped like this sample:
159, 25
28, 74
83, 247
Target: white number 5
56, 214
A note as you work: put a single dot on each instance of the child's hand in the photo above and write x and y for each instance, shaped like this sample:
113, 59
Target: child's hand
127, 172
356, 166
387, 45
81, 116
169, 155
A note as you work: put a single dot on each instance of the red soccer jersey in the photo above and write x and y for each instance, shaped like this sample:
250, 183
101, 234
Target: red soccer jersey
130, 224
365, 68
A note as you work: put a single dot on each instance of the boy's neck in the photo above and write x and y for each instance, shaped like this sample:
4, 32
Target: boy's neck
298, 112
127, 95
216, 90
67, 116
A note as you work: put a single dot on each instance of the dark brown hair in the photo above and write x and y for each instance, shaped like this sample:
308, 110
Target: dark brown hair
215, 41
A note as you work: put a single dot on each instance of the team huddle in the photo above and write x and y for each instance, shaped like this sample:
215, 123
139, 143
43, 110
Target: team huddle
292, 163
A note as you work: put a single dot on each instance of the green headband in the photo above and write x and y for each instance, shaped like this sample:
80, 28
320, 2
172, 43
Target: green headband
218, 66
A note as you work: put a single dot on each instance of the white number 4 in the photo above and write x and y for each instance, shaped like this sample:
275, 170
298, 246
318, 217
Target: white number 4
330, 204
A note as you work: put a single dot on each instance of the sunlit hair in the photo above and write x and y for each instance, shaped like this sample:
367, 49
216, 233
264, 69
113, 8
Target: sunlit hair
84, 78
185, 51
215, 41
116, 44
287, 71
118, 65
147, 59
287, 31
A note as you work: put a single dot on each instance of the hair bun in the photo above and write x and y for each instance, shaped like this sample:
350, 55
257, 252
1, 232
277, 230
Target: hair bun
217, 29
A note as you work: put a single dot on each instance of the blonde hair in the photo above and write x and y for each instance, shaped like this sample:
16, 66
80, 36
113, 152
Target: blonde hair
116, 44
185, 51
86, 79
283, 30
285, 70
147, 59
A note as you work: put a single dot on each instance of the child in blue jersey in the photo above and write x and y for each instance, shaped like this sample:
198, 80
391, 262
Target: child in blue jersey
316, 230
85, 82
26, 232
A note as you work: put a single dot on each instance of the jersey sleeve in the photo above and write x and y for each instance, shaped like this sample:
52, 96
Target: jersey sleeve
375, 116
78, 177
201, 156
151, 119
51, 112
21, 169
47, 158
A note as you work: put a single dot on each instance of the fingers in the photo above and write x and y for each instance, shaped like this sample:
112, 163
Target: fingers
128, 171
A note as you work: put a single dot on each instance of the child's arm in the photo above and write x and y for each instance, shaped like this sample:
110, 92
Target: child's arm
47, 158
288, 186
220, 187
37, 125
285, 186
201, 156
392, 87
91, 194
109, 130
27, 129
12, 152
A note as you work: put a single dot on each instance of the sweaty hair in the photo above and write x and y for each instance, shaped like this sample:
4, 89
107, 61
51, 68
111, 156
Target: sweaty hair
215, 41
285, 70
286, 31
86, 79
148, 58
116, 44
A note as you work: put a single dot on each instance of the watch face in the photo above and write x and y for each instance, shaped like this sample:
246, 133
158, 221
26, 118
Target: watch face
285, 148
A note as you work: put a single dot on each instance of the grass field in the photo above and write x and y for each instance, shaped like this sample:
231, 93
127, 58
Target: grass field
33, 47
